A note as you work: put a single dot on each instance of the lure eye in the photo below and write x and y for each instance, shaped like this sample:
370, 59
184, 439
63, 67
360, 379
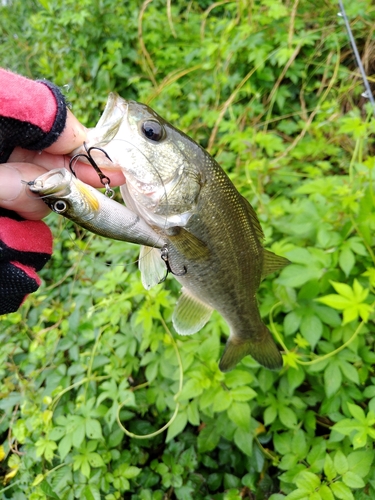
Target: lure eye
59, 206
153, 130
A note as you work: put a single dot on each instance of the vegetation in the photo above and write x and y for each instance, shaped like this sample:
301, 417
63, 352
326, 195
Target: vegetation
272, 90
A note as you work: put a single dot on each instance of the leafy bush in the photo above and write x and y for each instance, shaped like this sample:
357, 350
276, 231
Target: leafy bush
271, 90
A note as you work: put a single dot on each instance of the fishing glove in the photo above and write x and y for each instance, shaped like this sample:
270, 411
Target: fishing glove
32, 115
25, 246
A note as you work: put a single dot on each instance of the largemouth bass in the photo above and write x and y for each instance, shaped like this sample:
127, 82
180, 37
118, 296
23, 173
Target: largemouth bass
92, 210
214, 239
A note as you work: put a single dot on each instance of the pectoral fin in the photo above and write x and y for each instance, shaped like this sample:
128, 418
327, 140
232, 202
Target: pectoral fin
272, 263
190, 314
188, 246
263, 350
151, 266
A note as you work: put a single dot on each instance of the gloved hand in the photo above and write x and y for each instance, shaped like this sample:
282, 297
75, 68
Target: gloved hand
25, 246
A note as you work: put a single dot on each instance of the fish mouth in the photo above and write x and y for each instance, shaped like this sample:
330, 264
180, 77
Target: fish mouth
54, 182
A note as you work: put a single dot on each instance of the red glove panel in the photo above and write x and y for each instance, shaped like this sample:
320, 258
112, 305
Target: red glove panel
32, 113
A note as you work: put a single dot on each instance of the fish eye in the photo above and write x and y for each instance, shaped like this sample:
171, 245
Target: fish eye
153, 130
59, 206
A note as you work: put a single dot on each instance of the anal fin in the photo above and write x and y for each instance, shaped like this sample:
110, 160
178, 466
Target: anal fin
190, 314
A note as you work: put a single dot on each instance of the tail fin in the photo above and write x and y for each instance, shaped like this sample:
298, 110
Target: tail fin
263, 349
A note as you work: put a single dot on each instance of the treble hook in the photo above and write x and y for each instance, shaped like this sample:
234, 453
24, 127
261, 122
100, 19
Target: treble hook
104, 179
164, 254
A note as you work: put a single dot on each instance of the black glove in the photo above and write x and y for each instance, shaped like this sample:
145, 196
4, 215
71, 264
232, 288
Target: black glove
25, 246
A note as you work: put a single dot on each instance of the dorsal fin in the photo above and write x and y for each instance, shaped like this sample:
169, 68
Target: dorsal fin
253, 219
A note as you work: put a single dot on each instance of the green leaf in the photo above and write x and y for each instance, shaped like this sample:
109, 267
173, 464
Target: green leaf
357, 412
296, 275
346, 260
360, 462
222, 400
131, 472
239, 413
243, 393
57, 433
349, 371
95, 460
191, 389
299, 494
65, 446
193, 412
238, 378
79, 433
287, 417
336, 301
360, 438
340, 463
307, 480
208, 439
332, 378
91, 492
244, 441
269, 415
210, 348
47, 489
343, 289
340, 490
329, 469
353, 480
346, 426
312, 329
296, 376
326, 493
177, 426
291, 323
93, 429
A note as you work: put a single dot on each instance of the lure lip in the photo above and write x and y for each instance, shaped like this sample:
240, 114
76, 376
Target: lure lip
62, 184
54, 182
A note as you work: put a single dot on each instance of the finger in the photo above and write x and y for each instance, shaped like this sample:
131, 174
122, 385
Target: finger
15, 195
84, 172
72, 137
87, 174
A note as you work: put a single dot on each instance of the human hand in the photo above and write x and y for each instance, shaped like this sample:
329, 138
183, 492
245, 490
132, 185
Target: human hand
25, 165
